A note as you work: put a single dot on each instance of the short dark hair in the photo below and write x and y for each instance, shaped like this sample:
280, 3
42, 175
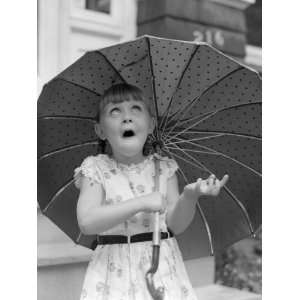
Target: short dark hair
119, 93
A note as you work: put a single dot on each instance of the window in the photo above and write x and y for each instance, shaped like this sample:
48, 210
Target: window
98, 5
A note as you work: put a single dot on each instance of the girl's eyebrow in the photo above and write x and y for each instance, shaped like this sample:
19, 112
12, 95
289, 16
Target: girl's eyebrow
138, 103
114, 106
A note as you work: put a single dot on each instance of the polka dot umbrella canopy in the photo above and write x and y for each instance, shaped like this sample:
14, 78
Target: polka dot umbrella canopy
208, 118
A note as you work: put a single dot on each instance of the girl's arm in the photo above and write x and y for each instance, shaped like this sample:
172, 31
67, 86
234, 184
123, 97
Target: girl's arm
94, 218
180, 208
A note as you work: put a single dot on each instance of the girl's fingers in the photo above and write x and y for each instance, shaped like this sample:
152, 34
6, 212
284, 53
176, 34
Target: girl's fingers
224, 180
202, 185
210, 180
198, 184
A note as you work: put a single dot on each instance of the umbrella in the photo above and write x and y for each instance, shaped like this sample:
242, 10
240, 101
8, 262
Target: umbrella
208, 118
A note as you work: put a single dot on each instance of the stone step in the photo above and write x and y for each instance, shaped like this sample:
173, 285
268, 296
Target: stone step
220, 292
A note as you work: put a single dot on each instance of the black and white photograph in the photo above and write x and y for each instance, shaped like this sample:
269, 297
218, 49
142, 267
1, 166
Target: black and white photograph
149, 149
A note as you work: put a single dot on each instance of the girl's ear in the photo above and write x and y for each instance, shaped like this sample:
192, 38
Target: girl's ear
99, 131
152, 125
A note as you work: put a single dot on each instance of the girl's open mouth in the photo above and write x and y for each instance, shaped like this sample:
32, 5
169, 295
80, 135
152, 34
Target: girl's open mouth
128, 133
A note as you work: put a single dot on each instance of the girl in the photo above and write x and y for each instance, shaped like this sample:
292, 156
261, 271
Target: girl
116, 201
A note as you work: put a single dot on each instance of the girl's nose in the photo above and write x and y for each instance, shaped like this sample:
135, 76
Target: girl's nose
127, 118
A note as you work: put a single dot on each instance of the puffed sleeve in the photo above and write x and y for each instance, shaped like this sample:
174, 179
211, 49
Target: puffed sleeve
172, 167
169, 166
90, 169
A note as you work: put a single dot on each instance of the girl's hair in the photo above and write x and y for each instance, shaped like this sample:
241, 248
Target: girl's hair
119, 93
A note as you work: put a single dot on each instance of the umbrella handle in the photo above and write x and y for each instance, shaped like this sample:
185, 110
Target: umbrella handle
156, 293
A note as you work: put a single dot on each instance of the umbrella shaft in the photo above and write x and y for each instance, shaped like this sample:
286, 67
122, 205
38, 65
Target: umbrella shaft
156, 230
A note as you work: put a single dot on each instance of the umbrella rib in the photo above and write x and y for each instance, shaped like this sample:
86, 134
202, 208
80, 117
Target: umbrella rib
190, 104
78, 237
195, 151
187, 161
207, 116
207, 228
134, 62
191, 119
181, 140
182, 174
63, 117
80, 234
46, 155
57, 194
165, 115
112, 66
193, 125
216, 152
240, 205
220, 154
223, 133
78, 85
182, 109
211, 113
153, 86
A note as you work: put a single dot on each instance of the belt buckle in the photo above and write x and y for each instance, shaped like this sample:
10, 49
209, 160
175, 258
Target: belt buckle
128, 239
168, 234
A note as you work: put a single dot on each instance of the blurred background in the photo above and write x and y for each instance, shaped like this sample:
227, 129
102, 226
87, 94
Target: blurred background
67, 29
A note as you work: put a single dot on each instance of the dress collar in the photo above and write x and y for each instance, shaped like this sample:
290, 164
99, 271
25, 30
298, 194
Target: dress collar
112, 164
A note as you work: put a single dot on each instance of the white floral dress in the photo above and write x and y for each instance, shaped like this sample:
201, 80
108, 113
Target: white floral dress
118, 271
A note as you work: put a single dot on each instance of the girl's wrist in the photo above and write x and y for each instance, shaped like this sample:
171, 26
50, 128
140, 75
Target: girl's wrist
141, 204
190, 195
137, 205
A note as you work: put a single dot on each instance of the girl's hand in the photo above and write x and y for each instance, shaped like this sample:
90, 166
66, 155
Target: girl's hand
154, 202
205, 187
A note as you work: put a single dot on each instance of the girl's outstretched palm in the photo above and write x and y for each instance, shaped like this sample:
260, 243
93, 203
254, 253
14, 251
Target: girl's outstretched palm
205, 187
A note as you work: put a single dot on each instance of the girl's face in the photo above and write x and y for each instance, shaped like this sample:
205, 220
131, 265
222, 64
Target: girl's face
126, 126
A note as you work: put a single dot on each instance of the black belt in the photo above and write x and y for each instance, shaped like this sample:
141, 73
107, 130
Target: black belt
123, 239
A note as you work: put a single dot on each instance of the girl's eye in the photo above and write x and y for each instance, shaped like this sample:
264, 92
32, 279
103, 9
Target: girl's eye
137, 107
115, 111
